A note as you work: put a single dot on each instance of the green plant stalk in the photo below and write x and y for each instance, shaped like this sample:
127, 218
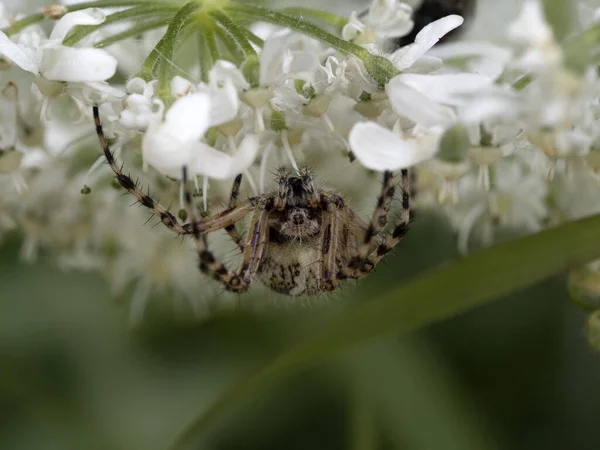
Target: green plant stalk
235, 31
299, 25
162, 53
38, 17
252, 37
133, 31
323, 16
442, 293
81, 31
235, 53
208, 50
380, 68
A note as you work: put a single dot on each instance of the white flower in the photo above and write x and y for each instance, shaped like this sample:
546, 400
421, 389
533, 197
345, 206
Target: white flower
174, 143
531, 30
391, 18
378, 148
54, 62
385, 19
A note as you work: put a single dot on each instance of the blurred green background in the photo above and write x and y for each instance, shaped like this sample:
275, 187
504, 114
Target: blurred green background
516, 374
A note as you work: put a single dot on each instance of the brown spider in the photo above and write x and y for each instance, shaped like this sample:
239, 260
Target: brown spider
301, 240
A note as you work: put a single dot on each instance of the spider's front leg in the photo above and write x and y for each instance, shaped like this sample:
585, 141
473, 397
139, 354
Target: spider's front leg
232, 230
199, 229
131, 186
368, 257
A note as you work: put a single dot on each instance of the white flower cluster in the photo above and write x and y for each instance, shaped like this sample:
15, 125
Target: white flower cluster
500, 136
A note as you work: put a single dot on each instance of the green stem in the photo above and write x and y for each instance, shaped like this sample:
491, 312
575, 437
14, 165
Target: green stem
235, 31
38, 17
133, 31
168, 46
300, 25
380, 68
164, 48
235, 53
81, 31
252, 37
209, 52
324, 16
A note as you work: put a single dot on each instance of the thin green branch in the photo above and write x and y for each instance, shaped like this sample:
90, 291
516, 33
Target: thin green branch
164, 47
323, 16
168, 46
38, 17
133, 32
208, 50
235, 53
379, 67
236, 32
81, 31
300, 25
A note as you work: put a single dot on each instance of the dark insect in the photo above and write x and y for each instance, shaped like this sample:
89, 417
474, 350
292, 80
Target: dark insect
300, 241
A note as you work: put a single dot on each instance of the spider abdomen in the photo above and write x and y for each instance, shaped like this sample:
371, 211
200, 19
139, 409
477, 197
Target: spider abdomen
291, 268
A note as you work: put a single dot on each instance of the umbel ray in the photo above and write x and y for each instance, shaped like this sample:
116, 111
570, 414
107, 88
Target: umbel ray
301, 240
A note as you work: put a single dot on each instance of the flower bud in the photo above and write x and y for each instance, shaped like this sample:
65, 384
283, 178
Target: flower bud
454, 145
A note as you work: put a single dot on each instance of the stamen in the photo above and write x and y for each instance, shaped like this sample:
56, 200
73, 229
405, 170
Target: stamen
288, 150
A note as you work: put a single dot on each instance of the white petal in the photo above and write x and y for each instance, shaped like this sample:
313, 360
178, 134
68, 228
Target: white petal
446, 88
16, 54
416, 106
189, 117
77, 64
271, 58
90, 16
485, 58
224, 70
165, 152
490, 107
216, 164
170, 145
225, 103
427, 38
302, 64
180, 86
377, 148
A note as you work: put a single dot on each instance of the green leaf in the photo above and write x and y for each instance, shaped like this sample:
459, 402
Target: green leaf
439, 294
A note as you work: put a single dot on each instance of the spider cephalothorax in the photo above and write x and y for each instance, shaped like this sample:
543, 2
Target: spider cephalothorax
300, 241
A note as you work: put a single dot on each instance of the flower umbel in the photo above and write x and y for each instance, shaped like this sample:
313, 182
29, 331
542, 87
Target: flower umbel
500, 136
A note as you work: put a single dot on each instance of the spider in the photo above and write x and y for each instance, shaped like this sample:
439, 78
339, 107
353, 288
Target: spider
301, 240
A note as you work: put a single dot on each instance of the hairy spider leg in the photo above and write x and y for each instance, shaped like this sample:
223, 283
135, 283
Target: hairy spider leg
256, 241
333, 240
359, 266
379, 216
132, 187
232, 230
208, 263
401, 227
